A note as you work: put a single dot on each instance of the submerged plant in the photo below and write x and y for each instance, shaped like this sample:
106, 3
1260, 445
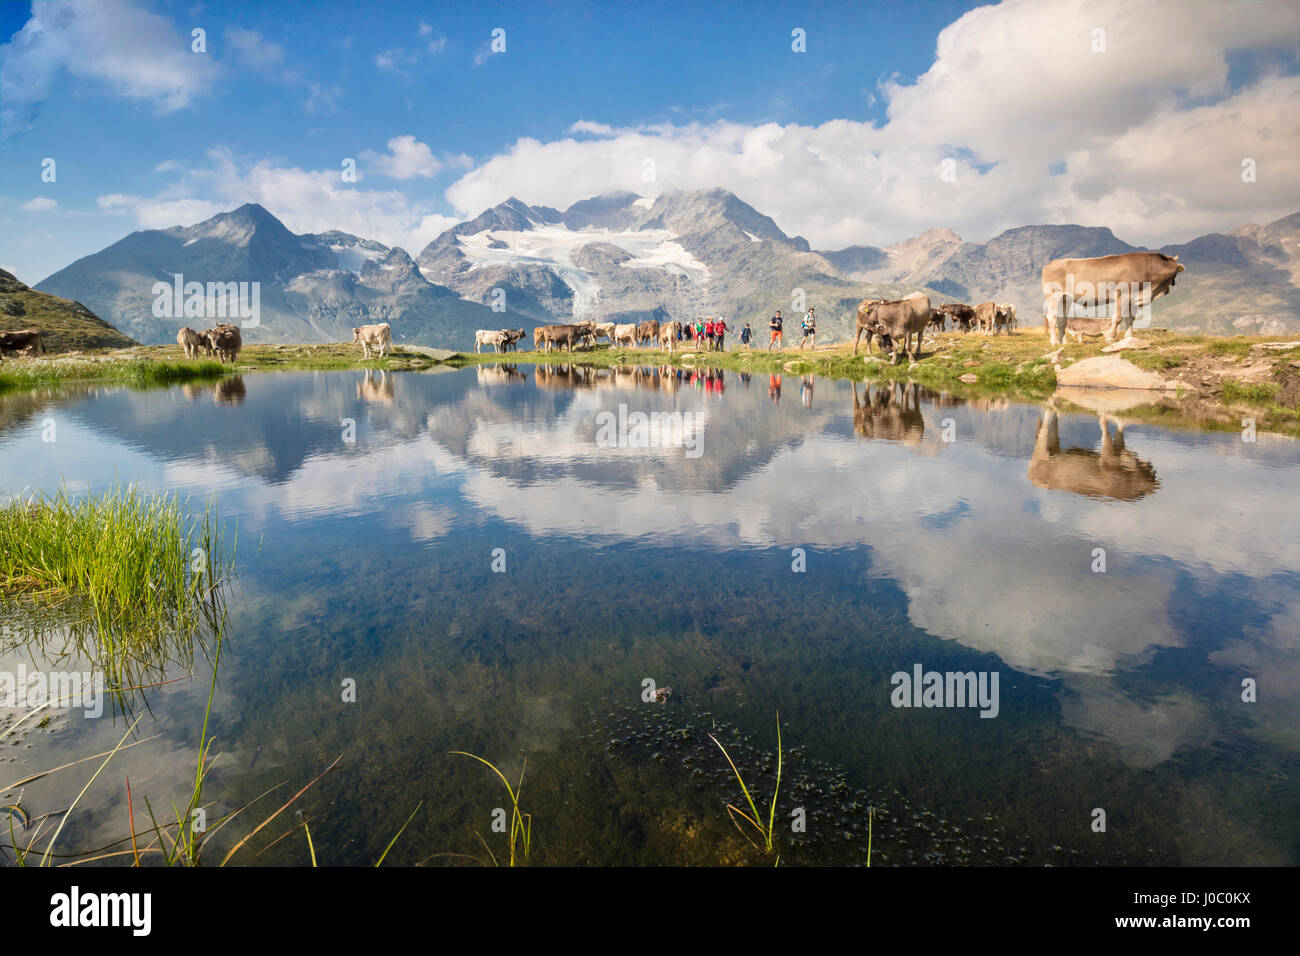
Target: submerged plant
753, 818
521, 824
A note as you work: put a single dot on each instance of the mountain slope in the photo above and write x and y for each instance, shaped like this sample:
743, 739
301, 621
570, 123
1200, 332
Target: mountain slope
312, 288
63, 325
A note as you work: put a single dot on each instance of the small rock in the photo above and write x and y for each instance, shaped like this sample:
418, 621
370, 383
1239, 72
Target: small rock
1055, 357
969, 378
1127, 343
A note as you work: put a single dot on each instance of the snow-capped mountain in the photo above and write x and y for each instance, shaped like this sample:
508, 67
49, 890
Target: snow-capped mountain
624, 257
313, 288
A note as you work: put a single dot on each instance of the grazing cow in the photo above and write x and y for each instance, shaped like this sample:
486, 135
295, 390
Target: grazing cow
899, 320
558, 336
1125, 283
1114, 472
962, 315
496, 339
625, 334
668, 335
225, 341
586, 332
513, 338
379, 337
647, 331
22, 340
938, 321
191, 342
605, 330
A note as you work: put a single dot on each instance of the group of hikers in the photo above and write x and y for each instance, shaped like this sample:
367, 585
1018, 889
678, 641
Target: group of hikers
711, 332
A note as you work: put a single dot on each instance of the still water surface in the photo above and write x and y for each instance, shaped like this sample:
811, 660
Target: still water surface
954, 535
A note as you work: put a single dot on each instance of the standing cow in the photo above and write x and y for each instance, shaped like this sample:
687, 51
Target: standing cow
1125, 284
225, 341
647, 332
191, 341
899, 320
668, 335
379, 337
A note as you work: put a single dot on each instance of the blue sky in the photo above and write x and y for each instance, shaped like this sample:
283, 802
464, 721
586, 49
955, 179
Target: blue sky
843, 143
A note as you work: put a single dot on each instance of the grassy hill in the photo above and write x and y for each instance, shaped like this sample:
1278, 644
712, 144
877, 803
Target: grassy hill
65, 326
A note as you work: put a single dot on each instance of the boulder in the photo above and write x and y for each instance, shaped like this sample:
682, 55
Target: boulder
1112, 371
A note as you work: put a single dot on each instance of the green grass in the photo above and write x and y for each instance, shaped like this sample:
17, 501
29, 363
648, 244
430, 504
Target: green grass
766, 831
521, 824
137, 567
139, 373
1261, 393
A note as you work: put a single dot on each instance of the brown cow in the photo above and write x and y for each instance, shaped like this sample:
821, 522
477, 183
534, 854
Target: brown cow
560, 336
225, 341
22, 340
1126, 283
191, 341
962, 315
668, 335
985, 316
647, 331
899, 320
513, 338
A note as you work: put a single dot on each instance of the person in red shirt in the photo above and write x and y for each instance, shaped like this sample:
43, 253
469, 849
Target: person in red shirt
708, 335
720, 330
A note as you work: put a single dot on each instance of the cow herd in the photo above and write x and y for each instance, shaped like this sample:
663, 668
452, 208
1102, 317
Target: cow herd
223, 341
547, 338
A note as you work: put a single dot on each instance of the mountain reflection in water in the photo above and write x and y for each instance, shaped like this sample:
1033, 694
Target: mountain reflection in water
957, 529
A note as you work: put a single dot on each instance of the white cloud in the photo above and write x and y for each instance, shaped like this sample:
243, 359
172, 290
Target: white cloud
594, 128
1151, 135
322, 99
304, 200
407, 158
253, 50
111, 44
39, 204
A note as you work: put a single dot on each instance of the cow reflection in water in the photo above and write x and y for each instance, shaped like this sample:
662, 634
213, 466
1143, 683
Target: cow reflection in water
892, 412
229, 391
377, 386
1114, 472
500, 375
565, 376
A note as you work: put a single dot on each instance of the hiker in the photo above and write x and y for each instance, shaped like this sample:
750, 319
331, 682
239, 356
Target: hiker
699, 332
720, 332
708, 335
745, 335
809, 329
775, 326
